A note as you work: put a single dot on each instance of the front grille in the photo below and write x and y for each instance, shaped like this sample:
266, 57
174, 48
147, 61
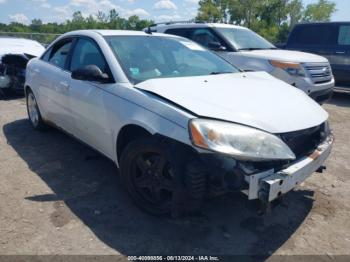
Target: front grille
304, 142
319, 73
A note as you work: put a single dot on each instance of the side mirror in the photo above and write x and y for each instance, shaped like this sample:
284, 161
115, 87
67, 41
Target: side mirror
216, 46
90, 73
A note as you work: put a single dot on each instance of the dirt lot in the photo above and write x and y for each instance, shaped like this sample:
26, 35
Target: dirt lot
60, 197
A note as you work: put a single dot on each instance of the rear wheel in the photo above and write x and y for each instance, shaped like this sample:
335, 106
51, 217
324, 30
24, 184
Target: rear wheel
148, 174
34, 112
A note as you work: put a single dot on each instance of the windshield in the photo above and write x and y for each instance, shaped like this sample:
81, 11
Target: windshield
148, 57
245, 39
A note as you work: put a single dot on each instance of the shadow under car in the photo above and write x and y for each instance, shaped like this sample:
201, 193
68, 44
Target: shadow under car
86, 181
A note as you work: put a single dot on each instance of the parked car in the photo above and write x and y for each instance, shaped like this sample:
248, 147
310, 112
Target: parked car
331, 40
250, 52
181, 123
14, 56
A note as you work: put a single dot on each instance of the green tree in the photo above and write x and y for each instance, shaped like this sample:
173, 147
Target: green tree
101, 20
101, 17
113, 15
222, 7
78, 17
36, 25
244, 12
273, 12
295, 11
236, 11
115, 21
322, 11
272, 19
208, 11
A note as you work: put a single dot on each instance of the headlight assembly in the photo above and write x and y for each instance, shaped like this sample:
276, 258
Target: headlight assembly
241, 142
293, 69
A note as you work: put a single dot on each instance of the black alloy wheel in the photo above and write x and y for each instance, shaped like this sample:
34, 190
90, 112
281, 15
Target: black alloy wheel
148, 174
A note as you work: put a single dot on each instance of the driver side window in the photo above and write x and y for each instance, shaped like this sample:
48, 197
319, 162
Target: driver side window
204, 37
87, 53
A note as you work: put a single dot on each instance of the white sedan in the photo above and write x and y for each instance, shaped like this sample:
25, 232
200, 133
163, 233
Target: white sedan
181, 123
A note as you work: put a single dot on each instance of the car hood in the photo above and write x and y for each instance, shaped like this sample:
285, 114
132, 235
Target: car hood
255, 99
20, 46
285, 55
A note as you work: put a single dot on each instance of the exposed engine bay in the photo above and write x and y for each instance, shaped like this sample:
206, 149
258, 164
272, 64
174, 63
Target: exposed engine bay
12, 72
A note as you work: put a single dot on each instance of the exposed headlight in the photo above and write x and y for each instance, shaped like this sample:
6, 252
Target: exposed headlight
242, 142
294, 69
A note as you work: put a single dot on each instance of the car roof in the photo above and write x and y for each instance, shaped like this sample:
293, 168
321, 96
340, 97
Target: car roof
106, 32
323, 23
195, 25
94, 33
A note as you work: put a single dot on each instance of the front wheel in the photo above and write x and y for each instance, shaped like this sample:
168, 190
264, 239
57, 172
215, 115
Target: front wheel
34, 112
148, 174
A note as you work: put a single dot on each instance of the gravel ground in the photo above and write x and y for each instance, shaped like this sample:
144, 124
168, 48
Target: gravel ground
57, 196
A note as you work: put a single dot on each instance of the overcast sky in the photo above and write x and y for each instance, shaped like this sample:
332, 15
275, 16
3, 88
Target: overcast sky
159, 10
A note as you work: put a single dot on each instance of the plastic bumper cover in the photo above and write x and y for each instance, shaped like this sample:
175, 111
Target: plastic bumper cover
268, 186
323, 95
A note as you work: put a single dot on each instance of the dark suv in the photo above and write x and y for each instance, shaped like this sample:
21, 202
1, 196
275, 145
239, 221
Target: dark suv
331, 40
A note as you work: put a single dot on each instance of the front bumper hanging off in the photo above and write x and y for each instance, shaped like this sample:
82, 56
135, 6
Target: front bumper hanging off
270, 185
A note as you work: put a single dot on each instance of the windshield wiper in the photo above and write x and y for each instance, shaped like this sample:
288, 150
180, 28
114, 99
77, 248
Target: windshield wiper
219, 73
256, 48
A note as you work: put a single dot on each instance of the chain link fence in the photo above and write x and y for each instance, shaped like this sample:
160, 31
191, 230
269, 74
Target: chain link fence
42, 38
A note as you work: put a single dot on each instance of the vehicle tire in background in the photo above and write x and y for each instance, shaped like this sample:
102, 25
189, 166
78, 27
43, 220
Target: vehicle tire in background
34, 112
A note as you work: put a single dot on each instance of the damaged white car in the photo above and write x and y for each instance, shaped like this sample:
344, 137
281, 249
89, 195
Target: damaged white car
180, 122
14, 56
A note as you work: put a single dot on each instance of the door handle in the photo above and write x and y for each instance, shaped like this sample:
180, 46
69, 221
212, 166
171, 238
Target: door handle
64, 84
340, 52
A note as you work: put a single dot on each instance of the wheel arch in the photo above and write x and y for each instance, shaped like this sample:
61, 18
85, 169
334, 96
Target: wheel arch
27, 88
127, 133
183, 157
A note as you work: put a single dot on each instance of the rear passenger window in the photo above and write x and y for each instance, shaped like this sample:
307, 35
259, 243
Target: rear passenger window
184, 32
314, 35
204, 37
344, 35
59, 53
46, 56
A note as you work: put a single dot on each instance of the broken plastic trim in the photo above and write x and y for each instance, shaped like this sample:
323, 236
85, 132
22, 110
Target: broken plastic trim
13, 68
17, 60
